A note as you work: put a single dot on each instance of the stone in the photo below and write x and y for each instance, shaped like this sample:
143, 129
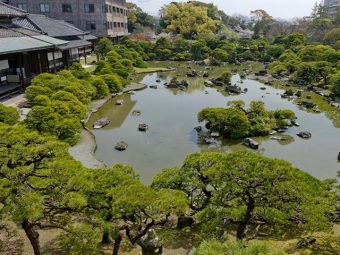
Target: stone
151, 244
101, 122
251, 143
184, 221
143, 127
304, 134
121, 146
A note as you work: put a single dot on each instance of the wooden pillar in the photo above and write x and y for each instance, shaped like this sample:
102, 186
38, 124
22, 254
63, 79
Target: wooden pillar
46, 61
22, 79
54, 64
85, 55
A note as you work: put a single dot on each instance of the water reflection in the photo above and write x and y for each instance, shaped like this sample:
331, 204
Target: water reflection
172, 115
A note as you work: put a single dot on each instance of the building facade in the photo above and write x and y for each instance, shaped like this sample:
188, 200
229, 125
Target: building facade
101, 18
332, 7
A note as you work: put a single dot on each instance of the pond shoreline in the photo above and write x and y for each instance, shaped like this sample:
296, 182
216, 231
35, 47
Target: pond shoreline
84, 150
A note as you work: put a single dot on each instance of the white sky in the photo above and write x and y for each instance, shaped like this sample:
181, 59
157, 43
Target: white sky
285, 9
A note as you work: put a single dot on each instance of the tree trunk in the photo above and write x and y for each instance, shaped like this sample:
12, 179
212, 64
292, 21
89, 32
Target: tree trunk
105, 237
240, 234
116, 246
32, 235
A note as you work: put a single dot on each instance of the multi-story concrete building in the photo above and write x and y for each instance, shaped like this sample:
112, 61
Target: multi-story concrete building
101, 18
332, 7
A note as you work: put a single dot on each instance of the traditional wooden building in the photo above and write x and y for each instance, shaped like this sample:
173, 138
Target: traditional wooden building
23, 52
33, 44
79, 43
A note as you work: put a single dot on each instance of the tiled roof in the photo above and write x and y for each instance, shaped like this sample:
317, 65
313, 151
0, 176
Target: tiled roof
51, 27
28, 43
23, 22
10, 11
8, 30
75, 44
87, 37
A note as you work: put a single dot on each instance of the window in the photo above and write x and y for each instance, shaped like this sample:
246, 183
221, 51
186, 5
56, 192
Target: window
114, 24
110, 8
44, 8
22, 7
89, 8
67, 8
105, 8
90, 25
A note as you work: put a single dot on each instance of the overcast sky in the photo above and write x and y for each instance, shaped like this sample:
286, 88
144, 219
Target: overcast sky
285, 9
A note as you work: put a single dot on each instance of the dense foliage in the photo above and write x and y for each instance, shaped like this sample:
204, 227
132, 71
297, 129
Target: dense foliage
236, 122
246, 191
42, 187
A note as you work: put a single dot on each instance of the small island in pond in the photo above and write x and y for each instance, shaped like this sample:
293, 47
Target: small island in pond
237, 122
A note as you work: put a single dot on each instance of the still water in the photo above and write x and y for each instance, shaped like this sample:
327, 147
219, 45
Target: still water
172, 115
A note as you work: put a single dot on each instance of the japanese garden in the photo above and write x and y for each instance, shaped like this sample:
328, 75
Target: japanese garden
201, 140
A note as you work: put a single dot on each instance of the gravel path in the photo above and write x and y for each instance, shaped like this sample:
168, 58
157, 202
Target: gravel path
83, 151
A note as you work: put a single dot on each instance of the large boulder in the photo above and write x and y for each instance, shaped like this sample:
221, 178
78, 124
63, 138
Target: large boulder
184, 221
250, 143
304, 134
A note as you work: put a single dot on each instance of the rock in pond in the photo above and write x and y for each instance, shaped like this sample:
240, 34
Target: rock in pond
251, 143
121, 146
209, 140
272, 132
101, 122
153, 86
143, 127
304, 134
295, 123
136, 112
198, 128
119, 102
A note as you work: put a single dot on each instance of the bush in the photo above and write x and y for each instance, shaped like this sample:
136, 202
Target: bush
102, 88
113, 82
8, 115
179, 57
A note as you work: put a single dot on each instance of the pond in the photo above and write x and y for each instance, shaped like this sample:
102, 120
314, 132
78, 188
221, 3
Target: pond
171, 115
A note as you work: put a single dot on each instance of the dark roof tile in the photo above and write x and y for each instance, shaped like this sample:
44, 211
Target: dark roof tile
51, 27
11, 30
10, 11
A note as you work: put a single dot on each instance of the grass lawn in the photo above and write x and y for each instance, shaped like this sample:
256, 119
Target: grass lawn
90, 68
88, 60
